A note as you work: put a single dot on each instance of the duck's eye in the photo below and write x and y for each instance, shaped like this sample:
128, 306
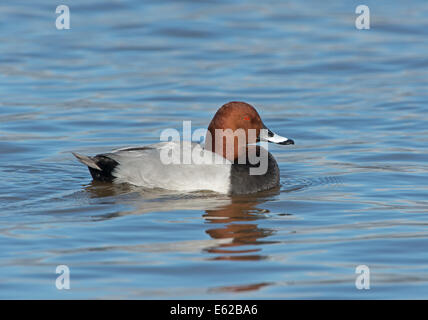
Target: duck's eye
246, 118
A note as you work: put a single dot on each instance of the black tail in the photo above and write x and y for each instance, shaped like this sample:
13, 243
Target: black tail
101, 166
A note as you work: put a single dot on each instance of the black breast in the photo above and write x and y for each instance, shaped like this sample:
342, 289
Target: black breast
243, 183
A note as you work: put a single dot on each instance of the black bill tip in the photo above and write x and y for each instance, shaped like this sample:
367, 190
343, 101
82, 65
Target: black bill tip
288, 141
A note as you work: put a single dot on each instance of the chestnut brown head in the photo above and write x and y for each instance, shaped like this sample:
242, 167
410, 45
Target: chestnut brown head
241, 123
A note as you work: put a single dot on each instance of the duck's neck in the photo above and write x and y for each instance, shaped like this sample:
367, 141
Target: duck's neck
228, 146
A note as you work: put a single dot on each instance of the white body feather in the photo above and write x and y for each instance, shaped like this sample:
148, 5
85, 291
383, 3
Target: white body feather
143, 167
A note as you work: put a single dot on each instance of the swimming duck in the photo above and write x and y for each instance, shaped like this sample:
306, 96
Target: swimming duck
230, 170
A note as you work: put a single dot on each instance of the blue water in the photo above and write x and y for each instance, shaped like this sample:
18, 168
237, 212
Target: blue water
353, 187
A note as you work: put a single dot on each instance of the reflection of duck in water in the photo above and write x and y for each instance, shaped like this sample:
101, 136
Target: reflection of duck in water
237, 221
231, 222
232, 219
143, 200
239, 224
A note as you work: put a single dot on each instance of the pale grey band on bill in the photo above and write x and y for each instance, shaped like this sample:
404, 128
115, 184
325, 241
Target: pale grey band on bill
267, 135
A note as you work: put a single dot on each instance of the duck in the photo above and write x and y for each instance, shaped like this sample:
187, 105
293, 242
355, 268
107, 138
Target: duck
229, 161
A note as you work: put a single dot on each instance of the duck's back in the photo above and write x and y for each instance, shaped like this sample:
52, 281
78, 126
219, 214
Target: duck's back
151, 167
